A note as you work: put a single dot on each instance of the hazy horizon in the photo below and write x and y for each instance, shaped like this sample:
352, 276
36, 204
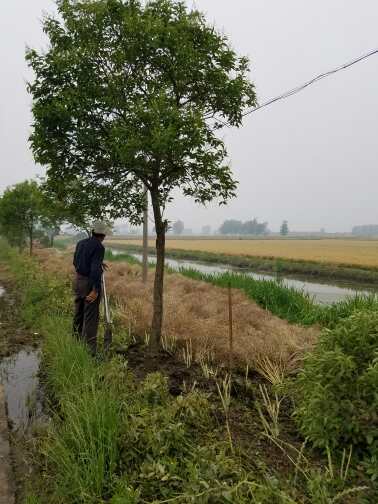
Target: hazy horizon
311, 159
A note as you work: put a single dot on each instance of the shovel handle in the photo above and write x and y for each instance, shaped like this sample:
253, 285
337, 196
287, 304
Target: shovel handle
106, 302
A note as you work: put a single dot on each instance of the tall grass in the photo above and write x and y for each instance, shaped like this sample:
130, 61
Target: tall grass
81, 448
288, 303
67, 364
82, 445
114, 440
111, 256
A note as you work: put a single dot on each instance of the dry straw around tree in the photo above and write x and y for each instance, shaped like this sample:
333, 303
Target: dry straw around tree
198, 311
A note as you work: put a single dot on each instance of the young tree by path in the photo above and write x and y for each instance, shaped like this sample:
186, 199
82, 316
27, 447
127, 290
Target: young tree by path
128, 96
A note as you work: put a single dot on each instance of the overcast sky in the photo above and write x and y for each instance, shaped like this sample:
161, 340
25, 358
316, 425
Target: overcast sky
311, 159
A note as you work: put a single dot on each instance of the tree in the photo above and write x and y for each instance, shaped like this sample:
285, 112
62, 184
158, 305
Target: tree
52, 216
367, 230
178, 227
128, 96
284, 230
231, 227
76, 203
206, 230
21, 208
253, 227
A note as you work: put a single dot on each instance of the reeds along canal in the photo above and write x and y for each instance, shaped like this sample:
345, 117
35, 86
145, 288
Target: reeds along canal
323, 293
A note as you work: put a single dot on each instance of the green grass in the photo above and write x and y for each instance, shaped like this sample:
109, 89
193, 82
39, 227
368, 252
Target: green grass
285, 302
113, 439
117, 440
81, 445
110, 256
63, 243
291, 304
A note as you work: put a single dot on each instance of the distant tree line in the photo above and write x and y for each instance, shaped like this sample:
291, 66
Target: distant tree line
251, 227
368, 230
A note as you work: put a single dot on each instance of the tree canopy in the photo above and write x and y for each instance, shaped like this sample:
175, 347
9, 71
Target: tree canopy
178, 227
284, 229
237, 227
22, 209
129, 96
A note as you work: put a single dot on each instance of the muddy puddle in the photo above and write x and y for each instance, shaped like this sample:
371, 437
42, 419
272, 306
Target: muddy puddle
19, 375
323, 293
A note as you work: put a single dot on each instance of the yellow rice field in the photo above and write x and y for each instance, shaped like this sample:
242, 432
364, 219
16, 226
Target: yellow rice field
336, 251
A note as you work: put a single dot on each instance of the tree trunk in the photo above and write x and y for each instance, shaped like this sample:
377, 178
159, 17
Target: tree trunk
158, 308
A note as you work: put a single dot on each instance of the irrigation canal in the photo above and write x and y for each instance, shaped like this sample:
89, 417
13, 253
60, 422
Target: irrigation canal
19, 376
324, 293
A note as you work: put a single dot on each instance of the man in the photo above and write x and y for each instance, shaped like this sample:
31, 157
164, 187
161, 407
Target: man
88, 263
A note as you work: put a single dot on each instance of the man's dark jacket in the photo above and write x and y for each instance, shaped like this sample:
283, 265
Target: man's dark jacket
88, 258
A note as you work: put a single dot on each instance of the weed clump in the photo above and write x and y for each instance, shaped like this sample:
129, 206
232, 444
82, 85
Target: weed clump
338, 390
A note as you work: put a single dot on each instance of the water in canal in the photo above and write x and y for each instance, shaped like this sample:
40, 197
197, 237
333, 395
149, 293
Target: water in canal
324, 293
19, 375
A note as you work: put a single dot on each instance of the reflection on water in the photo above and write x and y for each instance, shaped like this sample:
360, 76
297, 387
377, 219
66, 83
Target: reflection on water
322, 293
18, 374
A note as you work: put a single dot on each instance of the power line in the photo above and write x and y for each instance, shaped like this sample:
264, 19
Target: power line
319, 77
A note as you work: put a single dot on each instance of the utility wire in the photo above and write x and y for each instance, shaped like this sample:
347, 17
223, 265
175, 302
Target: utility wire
310, 82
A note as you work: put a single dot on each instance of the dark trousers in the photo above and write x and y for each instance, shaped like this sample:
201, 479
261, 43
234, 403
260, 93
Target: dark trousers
86, 317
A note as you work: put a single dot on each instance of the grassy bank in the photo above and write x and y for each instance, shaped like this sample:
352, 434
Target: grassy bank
285, 302
195, 314
118, 435
316, 270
